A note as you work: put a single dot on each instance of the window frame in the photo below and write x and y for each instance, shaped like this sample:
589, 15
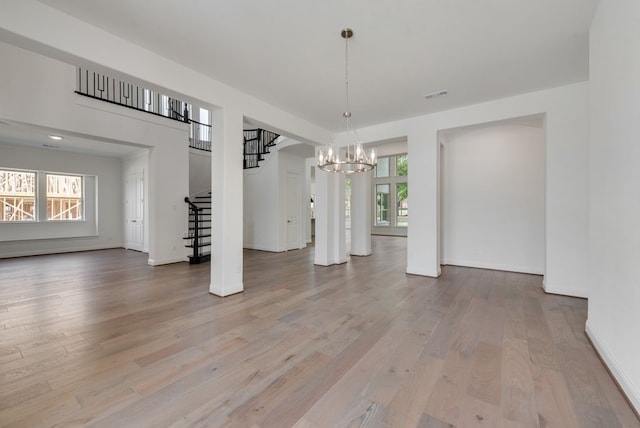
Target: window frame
41, 198
81, 198
35, 197
392, 180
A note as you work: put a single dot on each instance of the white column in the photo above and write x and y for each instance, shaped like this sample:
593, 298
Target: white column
330, 233
227, 207
423, 247
361, 201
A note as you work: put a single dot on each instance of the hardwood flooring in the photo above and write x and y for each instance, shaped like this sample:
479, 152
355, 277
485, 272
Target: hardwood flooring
101, 339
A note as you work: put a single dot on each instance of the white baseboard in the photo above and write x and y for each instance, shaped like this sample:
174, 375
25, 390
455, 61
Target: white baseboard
158, 262
495, 266
563, 291
263, 248
28, 253
364, 254
326, 262
415, 270
226, 290
630, 390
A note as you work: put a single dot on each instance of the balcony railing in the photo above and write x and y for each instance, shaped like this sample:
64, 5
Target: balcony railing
99, 86
116, 91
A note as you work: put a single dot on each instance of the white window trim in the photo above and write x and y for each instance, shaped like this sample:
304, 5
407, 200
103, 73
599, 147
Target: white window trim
41, 228
393, 180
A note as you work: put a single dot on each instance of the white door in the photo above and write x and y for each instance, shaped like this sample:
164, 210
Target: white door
134, 211
293, 210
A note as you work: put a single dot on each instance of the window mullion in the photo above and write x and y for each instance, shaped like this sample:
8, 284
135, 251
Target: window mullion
41, 196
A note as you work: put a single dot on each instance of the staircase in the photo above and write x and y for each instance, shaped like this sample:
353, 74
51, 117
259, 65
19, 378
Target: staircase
257, 143
199, 231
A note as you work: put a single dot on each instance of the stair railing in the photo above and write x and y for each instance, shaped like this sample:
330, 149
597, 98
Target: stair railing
200, 136
256, 144
195, 210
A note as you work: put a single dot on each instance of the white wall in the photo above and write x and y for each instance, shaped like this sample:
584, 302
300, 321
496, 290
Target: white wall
566, 153
199, 172
265, 198
614, 191
390, 148
493, 198
261, 219
37, 90
50, 237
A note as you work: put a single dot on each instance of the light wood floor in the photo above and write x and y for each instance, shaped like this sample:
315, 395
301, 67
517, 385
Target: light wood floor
101, 339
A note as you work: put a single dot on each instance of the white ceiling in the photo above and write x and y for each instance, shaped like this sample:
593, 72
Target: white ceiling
290, 53
38, 137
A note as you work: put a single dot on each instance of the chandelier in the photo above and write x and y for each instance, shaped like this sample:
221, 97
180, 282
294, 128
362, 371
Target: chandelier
354, 158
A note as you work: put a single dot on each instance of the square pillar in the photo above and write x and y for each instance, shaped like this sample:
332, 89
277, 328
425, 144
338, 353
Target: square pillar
227, 203
361, 207
329, 206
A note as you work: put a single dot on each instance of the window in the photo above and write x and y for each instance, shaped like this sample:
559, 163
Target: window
382, 168
32, 196
402, 209
17, 195
205, 119
382, 205
391, 189
64, 197
164, 105
402, 166
148, 100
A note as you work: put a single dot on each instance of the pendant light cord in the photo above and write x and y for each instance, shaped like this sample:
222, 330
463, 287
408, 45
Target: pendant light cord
346, 73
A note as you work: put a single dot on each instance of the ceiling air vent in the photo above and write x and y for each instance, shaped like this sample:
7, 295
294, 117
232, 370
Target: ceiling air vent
436, 94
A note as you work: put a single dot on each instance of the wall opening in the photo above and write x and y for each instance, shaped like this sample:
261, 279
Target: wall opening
492, 195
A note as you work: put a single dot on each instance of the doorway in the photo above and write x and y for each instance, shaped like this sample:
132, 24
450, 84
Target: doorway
293, 196
135, 211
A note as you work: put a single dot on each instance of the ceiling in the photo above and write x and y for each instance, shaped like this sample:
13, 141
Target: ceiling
290, 53
38, 137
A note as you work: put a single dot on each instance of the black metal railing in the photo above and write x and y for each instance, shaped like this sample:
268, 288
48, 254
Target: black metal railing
199, 231
200, 136
256, 144
99, 86
116, 91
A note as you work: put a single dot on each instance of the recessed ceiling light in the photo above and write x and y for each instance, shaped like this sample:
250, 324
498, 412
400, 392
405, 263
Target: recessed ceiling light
436, 94
56, 137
